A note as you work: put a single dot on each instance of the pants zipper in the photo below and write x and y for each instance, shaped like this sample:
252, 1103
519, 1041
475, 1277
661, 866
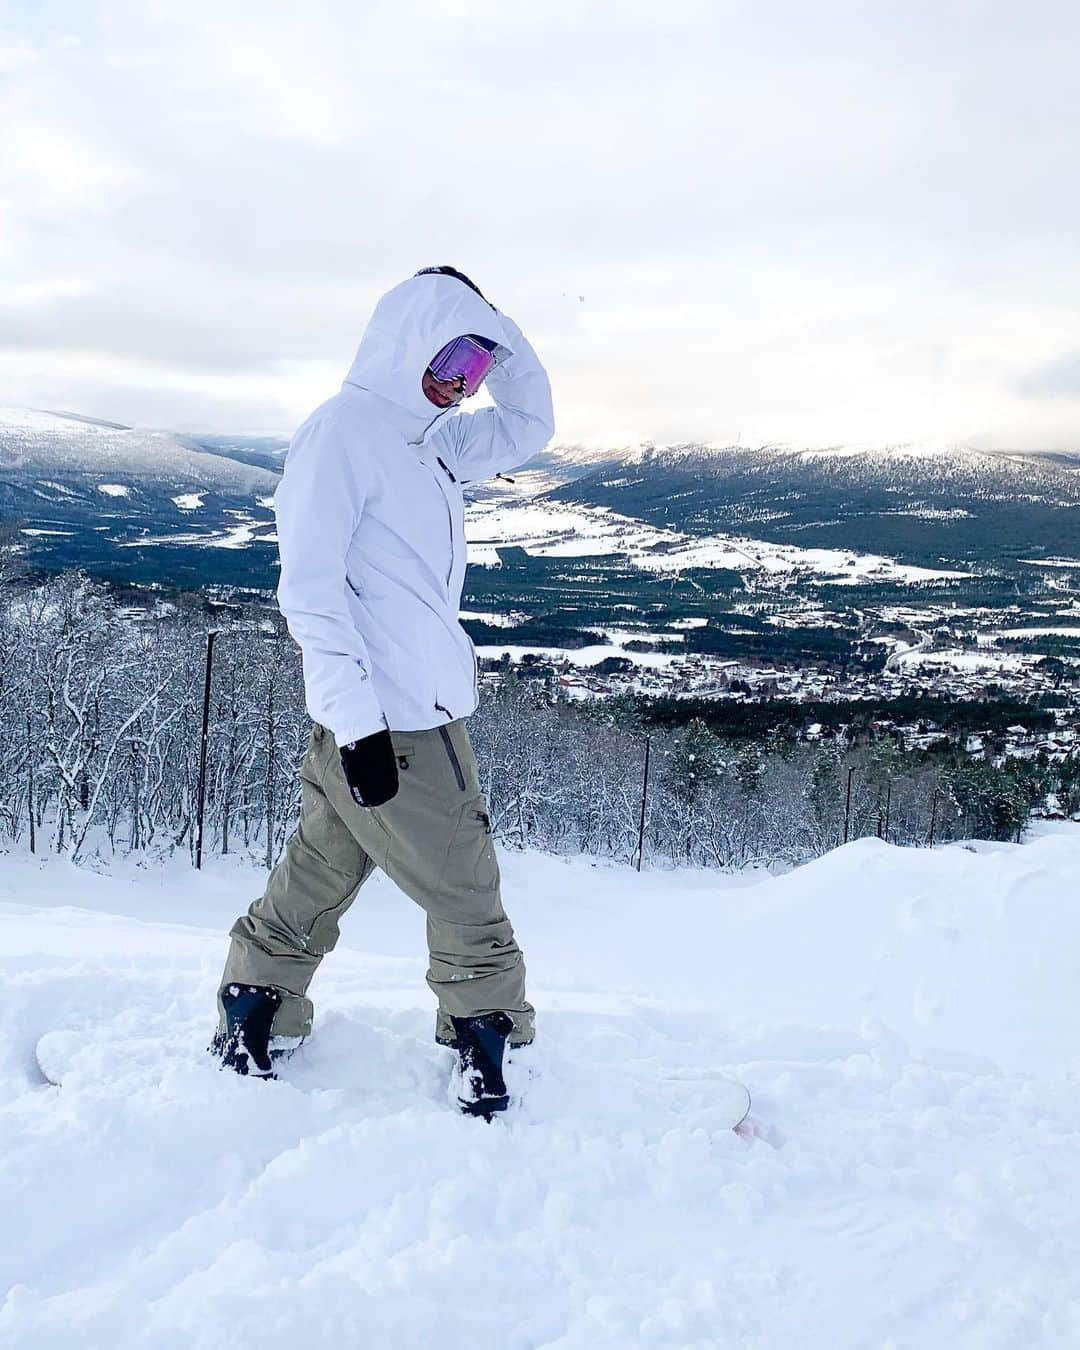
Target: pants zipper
305, 938
455, 763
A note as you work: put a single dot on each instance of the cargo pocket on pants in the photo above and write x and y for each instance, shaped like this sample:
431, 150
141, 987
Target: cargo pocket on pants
471, 865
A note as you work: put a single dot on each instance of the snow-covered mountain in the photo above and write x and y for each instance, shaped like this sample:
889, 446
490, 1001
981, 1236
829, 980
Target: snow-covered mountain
156, 507
133, 503
928, 504
73, 447
903, 1019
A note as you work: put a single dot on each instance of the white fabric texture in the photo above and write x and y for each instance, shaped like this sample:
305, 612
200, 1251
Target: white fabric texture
371, 524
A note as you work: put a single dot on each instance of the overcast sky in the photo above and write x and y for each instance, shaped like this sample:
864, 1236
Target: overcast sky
753, 221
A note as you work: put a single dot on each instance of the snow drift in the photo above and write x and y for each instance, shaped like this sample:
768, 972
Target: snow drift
906, 1020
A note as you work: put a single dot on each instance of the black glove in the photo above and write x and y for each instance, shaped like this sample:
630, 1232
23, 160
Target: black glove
371, 770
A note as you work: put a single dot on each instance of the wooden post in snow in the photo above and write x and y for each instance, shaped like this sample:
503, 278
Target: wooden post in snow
644, 797
201, 800
847, 804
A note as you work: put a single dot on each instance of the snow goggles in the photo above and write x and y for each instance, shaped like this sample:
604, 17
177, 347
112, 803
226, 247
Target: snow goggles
465, 359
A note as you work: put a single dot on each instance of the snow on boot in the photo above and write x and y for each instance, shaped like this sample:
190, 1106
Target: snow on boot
244, 1045
480, 1043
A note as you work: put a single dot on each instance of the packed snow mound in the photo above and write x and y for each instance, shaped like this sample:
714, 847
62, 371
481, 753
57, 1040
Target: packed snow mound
905, 1020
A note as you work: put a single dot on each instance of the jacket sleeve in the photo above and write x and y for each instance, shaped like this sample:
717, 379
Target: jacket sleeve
318, 505
522, 422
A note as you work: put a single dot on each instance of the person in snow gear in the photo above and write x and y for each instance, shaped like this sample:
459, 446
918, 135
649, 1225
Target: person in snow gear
370, 522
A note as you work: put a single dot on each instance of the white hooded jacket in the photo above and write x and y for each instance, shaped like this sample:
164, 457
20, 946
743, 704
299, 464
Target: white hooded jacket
370, 515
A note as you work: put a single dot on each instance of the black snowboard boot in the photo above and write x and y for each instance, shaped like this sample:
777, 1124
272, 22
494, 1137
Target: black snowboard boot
480, 1042
244, 1045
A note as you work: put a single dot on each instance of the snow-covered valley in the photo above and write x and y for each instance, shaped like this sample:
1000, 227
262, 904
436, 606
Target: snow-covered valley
906, 1021
547, 529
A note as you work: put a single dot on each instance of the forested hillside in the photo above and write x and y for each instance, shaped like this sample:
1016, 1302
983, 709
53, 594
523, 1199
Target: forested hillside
100, 731
925, 507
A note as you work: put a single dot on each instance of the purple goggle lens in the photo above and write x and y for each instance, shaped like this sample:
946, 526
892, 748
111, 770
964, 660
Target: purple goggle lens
463, 359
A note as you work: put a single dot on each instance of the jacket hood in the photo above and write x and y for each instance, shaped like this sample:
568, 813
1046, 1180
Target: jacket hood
410, 324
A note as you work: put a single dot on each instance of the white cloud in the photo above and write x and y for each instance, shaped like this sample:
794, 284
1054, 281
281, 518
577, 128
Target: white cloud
1058, 378
787, 222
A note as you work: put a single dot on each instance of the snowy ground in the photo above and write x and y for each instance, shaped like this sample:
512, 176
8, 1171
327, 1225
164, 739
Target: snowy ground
591, 655
908, 1023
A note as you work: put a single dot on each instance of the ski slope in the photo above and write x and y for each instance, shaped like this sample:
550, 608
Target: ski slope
907, 1021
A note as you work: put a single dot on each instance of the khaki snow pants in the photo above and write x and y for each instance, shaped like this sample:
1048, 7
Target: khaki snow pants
433, 840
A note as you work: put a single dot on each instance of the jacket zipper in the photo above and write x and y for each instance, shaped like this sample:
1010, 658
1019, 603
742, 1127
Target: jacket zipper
449, 521
476, 665
454, 761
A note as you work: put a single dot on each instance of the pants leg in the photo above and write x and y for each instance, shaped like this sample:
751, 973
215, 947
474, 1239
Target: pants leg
476, 965
434, 841
285, 934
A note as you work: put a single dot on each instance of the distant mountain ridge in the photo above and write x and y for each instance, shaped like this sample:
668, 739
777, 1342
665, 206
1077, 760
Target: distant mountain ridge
925, 505
40, 442
189, 510
133, 503
265, 452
